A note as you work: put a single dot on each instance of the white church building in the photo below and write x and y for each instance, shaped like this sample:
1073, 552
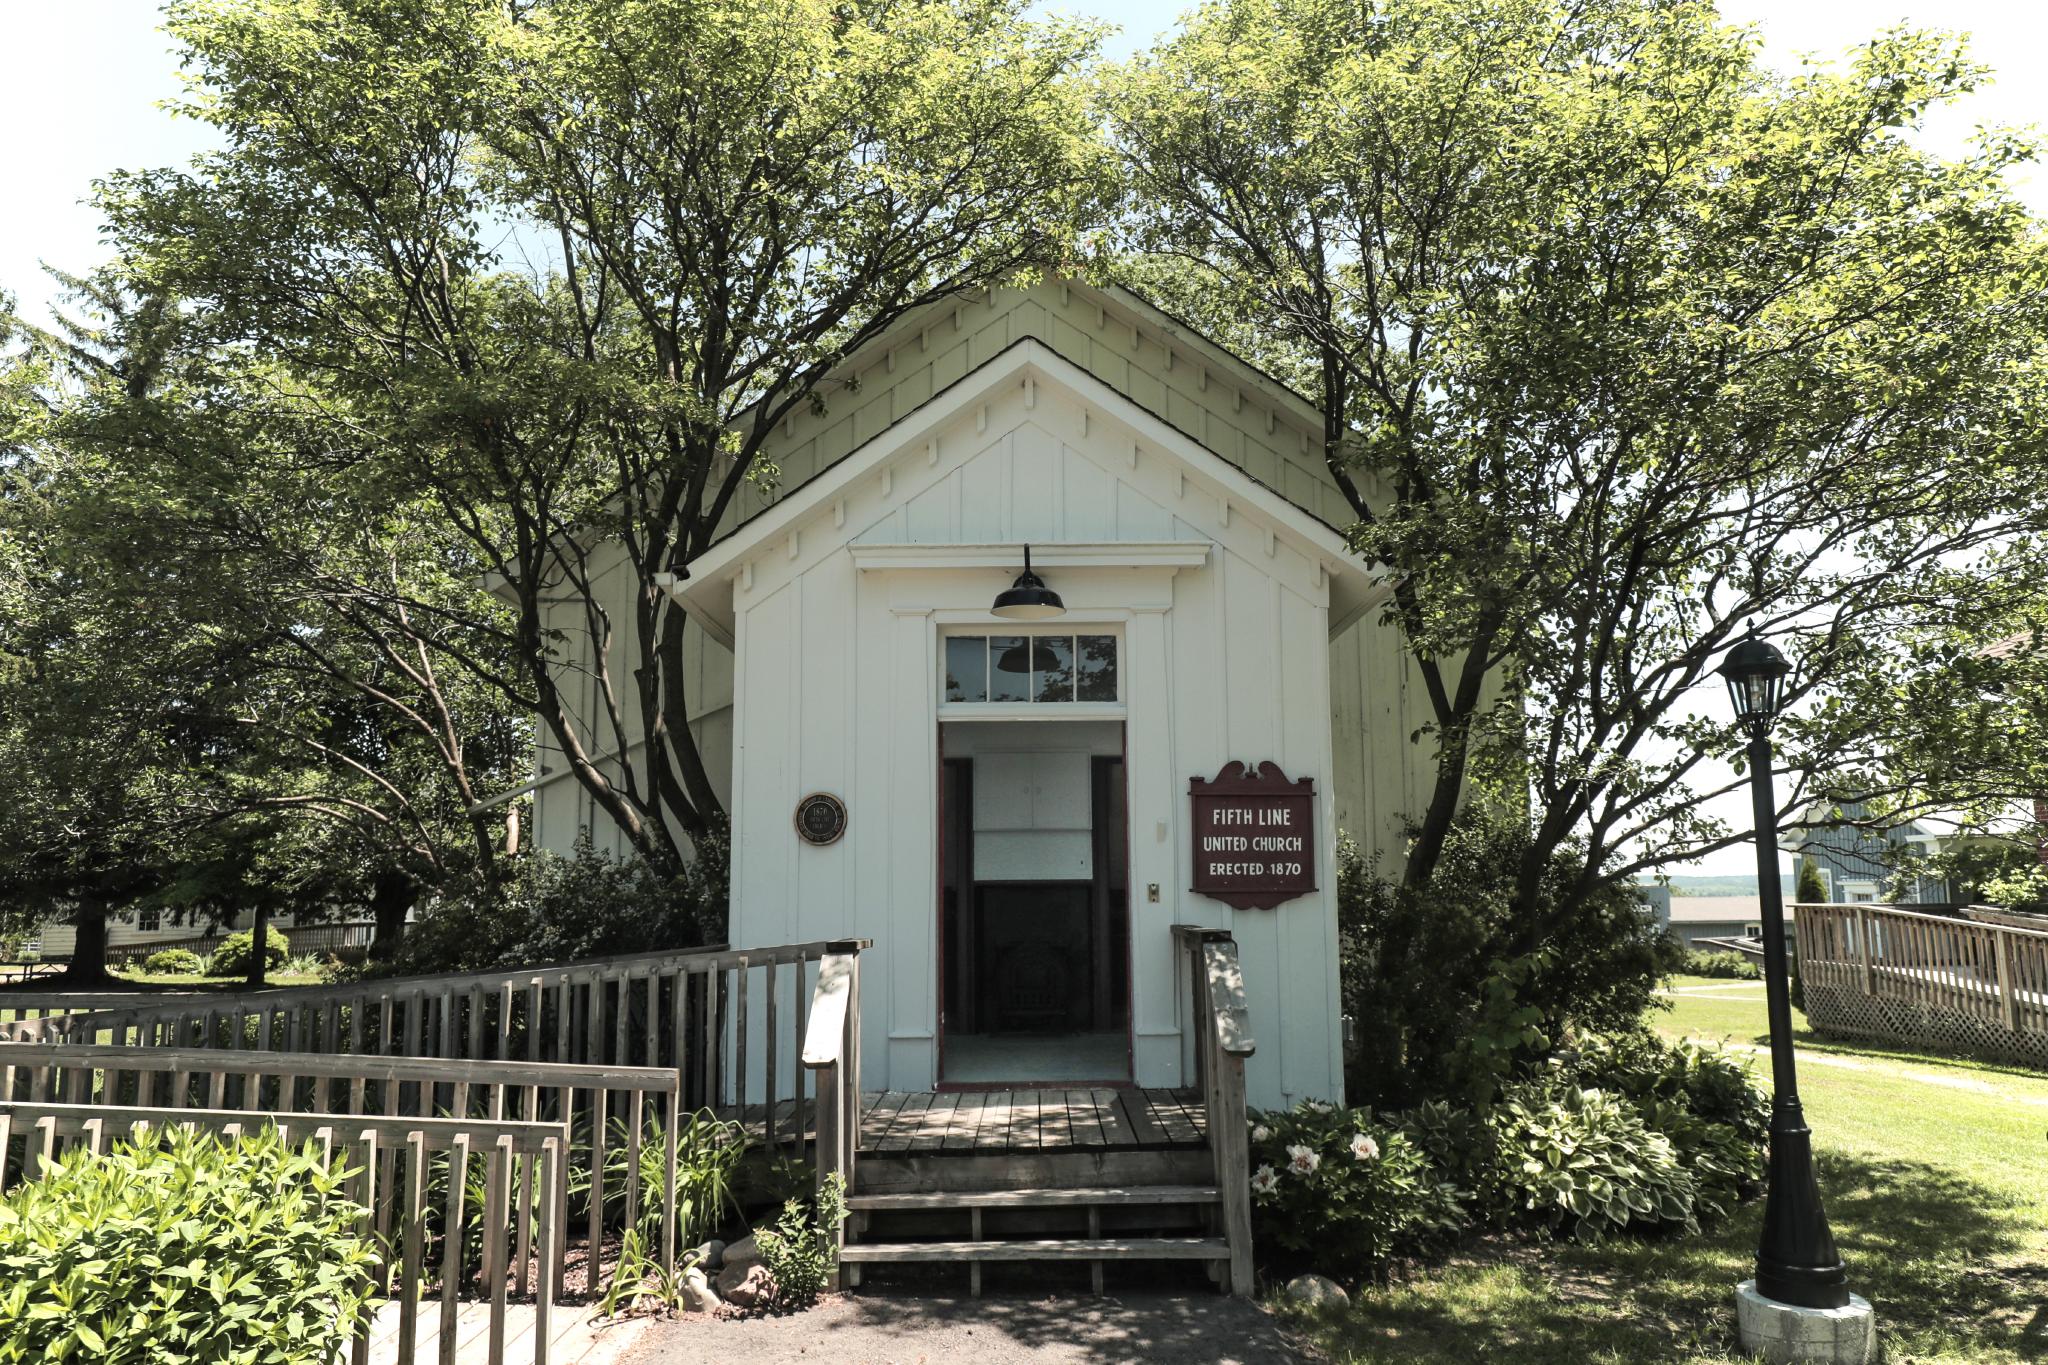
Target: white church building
1017, 804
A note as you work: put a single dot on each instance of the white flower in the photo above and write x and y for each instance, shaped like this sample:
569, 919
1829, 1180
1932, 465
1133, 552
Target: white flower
1263, 1180
1301, 1160
1318, 1106
1363, 1148
1260, 1132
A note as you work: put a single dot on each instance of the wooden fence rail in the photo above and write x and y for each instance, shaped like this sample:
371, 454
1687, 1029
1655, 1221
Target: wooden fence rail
731, 1022
1221, 1025
434, 1206
1881, 971
607, 1110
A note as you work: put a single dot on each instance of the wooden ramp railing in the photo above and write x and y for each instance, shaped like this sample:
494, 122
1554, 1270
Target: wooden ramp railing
1884, 972
733, 1022
526, 1071
434, 1207
1221, 1024
604, 1109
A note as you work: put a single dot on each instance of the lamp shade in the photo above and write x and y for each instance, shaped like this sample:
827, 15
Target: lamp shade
1754, 671
1028, 656
1028, 599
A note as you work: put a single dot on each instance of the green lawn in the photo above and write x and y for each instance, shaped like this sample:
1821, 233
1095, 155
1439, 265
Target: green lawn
171, 981
1935, 1174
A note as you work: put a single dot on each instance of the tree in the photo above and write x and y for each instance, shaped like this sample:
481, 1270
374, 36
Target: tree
346, 716
1626, 343
189, 726
717, 204
1811, 890
104, 705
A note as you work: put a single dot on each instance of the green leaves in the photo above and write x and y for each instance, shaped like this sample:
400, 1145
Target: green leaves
182, 1247
1628, 340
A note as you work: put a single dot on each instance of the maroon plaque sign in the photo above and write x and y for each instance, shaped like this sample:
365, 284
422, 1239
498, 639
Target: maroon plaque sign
1255, 840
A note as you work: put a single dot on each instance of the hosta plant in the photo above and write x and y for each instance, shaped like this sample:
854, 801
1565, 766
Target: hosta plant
1345, 1191
1583, 1163
183, 1247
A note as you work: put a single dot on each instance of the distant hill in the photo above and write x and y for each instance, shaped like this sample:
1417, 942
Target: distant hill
1689, 885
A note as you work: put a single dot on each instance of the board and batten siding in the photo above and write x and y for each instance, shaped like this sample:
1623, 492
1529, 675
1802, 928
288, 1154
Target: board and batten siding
1254, 422
1225, 656
1241, 415
837, 663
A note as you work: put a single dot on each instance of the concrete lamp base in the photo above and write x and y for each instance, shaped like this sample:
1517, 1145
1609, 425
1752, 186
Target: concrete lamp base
1785, 1334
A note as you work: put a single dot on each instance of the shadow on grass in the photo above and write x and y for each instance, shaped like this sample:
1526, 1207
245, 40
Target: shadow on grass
1951, 1267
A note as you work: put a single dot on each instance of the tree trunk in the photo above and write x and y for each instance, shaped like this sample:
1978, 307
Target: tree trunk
259, 947
390, 899
88, 965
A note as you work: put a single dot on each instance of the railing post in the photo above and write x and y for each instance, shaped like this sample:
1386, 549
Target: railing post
832, 1053
1863, 945
2008, 998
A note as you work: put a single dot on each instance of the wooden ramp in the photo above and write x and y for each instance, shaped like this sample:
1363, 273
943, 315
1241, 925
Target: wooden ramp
578, 1338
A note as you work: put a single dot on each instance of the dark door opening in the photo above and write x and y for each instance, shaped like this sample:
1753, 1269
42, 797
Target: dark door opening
1034, 913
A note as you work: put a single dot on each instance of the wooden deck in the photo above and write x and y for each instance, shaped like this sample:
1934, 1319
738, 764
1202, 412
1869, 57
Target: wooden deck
992, 1122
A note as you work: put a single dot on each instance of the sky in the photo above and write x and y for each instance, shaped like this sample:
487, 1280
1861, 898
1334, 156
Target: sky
86, 91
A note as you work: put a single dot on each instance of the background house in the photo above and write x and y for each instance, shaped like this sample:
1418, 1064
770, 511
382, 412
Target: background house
1859, 864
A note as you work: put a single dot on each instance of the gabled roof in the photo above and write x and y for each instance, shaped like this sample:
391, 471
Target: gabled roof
705, 586
1292, 422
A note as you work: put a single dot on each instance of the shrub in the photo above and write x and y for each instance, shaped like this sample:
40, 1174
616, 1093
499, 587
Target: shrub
1810, 888
800, 1251
1579, 957
183, 1247
708, 1154
174, 962
1729, 966
232, 957
1708, 1103
1345, 1191
1583, 1163
558, 909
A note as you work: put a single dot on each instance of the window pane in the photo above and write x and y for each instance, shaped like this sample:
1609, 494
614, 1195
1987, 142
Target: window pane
1052, 668
967, 668
1009, 679
1098, 668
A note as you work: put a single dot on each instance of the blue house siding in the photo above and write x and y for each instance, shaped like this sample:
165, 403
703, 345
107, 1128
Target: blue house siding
1853, 853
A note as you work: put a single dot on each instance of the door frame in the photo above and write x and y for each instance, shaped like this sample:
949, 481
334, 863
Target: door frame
1099, 836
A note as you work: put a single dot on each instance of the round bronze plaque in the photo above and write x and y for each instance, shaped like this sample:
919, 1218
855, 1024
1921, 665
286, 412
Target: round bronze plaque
820, 818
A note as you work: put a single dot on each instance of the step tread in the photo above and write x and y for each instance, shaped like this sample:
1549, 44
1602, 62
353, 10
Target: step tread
1046, 1249
1039, 1198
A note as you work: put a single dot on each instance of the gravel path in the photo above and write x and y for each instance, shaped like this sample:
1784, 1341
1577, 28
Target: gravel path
881, 1328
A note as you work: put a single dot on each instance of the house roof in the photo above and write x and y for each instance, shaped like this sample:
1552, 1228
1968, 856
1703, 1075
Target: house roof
1715, 909
1129, 308
705, 586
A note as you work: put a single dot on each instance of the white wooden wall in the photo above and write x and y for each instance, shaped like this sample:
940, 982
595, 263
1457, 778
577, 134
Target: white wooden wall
837, 669
837, 665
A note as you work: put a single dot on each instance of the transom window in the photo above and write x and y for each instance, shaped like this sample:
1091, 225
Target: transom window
1031, 668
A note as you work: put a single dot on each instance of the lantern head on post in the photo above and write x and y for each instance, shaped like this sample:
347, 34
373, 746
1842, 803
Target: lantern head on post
1754, 669
1028, 599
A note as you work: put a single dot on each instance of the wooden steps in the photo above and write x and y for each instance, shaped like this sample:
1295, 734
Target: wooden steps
1045, 1249
940, 1200
1008, 1221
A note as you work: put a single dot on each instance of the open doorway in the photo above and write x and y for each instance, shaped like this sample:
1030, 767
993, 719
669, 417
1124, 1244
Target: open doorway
1035, 913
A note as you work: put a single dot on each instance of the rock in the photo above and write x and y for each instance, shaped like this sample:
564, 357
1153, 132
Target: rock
1317, 1291
756, 1289
734, 1263
709, 1257
698, 1296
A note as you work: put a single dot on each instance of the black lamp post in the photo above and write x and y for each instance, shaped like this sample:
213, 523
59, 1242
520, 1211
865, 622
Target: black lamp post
1796, 1261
